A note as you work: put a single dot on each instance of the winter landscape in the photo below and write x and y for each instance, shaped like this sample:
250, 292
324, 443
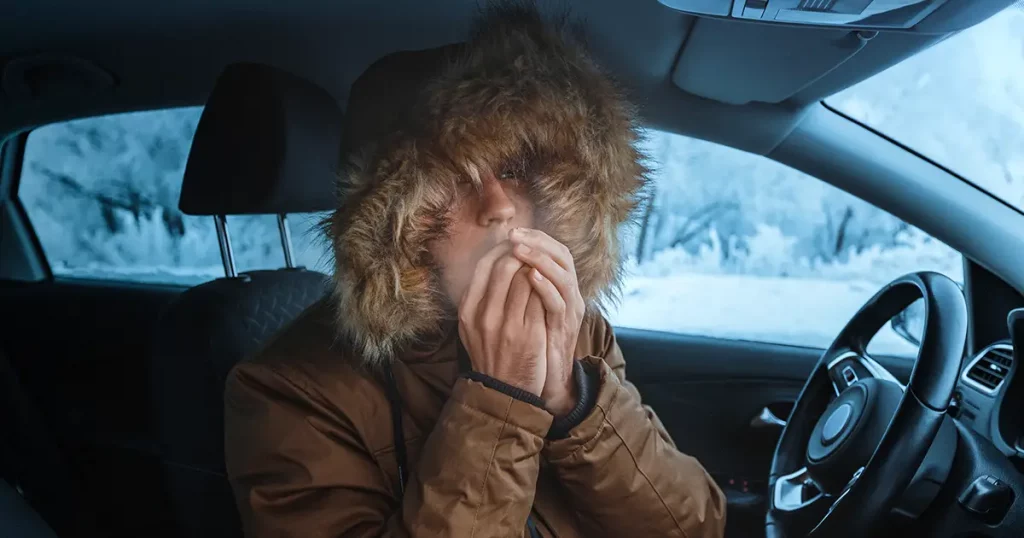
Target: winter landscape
730, 244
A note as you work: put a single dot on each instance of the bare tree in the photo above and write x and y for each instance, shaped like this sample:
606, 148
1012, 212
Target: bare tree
645, 222
701, 221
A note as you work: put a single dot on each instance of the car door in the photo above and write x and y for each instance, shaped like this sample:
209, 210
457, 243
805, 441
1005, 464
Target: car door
740, 272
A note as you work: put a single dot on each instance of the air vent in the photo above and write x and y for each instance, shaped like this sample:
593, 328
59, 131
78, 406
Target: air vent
990, 368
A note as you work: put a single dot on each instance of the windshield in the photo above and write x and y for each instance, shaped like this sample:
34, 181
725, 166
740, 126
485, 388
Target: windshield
959, 103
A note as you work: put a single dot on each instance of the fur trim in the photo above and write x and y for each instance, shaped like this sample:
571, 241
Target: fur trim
521, 92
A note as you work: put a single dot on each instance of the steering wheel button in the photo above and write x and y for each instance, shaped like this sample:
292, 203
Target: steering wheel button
849, 375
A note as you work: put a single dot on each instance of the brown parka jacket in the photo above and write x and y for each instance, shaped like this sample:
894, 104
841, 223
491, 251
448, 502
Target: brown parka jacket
310, 446
310, 451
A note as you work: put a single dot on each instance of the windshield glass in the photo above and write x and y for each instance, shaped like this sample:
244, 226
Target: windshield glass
959, 103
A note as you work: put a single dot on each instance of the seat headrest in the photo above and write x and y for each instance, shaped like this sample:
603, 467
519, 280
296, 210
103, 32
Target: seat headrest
268, 142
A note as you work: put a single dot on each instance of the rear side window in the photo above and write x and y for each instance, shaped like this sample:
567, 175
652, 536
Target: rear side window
102, 196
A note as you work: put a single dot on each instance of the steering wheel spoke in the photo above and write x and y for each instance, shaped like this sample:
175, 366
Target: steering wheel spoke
799, 502
797, 499
839, 498
795, 491
849, 367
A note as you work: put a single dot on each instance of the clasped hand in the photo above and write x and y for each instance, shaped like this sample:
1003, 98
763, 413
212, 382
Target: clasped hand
520, 317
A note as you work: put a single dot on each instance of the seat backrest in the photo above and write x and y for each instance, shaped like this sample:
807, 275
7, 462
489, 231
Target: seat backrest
202, 335
33, 462
17, 518
267, 143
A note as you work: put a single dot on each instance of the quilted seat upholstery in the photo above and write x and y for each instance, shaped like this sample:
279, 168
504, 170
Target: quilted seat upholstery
203, 334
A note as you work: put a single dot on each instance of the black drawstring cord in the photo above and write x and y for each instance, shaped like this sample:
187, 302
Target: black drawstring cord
532, 527
395, 399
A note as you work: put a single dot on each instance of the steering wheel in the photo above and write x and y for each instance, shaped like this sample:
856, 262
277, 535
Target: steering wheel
856, 436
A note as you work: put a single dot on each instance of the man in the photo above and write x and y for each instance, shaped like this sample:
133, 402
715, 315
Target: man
461, 381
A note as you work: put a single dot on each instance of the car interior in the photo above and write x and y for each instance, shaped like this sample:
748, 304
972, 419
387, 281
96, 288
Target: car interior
111, 391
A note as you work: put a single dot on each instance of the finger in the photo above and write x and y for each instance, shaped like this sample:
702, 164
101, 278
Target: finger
551, 298
493, 302
464, 337
518, 296
539, 240
546, 265
538, 331
535, 311
478, 284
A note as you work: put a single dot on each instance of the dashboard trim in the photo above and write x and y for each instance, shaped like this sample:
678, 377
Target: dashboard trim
1003, 346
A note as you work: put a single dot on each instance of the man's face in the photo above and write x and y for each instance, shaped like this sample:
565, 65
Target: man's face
481, 219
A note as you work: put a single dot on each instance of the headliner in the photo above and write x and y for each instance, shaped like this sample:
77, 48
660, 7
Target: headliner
167, 54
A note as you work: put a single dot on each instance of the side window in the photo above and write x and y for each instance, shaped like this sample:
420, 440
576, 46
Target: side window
735, 245
102, 196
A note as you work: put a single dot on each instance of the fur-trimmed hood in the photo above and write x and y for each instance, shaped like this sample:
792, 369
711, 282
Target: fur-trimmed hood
520, 92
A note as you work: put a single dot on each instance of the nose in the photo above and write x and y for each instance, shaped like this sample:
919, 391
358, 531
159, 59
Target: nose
496, 206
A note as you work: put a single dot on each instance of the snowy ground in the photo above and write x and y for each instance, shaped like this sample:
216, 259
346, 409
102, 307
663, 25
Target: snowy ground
173, 276
798, 311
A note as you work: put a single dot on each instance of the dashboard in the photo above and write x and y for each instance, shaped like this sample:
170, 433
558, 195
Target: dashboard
989, 396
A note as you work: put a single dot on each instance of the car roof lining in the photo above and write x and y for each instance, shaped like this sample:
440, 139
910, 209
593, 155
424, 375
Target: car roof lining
177, 50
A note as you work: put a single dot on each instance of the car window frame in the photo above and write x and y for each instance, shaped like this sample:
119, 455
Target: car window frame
32, 266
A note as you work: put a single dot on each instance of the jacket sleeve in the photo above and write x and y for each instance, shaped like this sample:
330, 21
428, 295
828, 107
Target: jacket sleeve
621, 470
299, 468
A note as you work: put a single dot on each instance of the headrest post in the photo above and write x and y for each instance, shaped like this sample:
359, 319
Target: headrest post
226, 256
286, 240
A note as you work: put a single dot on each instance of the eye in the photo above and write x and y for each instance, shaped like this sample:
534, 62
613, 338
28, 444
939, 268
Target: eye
513, 171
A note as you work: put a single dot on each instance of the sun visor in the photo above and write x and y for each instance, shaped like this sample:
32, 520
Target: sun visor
268, 142
742, 63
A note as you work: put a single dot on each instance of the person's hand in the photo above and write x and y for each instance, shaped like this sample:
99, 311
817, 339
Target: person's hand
501, 322
553, 277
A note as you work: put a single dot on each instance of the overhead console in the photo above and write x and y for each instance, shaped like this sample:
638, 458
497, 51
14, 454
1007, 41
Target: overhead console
854, 13
771, 51
864, 14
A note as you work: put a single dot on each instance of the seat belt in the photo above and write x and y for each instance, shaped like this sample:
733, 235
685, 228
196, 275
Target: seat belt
395, 401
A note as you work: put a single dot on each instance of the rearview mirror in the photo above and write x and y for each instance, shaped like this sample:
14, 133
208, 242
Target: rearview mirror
909, 323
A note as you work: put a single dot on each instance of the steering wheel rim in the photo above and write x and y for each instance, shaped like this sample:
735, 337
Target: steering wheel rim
902, 443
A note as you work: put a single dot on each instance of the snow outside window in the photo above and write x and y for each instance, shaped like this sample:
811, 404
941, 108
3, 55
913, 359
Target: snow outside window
735, 245
960, 103
102, 196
